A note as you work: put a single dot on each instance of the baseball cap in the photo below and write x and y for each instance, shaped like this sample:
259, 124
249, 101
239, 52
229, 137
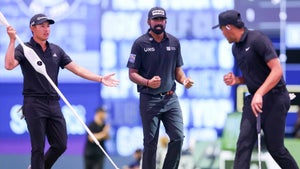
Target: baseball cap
232, 17
157, 12
39, 19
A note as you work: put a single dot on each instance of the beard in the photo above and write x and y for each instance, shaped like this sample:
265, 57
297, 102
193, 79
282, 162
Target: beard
158, 29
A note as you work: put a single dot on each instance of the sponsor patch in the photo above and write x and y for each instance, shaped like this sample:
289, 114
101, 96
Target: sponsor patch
132, 58
169, 48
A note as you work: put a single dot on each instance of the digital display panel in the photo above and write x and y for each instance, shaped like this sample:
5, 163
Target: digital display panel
98, 35
265, 15
206, 55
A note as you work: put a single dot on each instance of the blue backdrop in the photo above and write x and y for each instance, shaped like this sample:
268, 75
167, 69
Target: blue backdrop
98, 35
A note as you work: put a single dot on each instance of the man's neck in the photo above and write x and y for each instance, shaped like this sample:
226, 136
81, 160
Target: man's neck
240, 33
42, 43
156, 37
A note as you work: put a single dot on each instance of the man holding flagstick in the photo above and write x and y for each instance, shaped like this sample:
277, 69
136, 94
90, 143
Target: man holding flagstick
41, 106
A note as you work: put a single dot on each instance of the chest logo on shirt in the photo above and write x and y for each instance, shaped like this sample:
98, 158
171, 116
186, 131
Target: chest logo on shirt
169, 48
149, 49
54, 55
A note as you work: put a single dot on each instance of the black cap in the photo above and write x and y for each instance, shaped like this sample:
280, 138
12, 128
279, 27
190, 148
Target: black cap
230, 17
157, 12
39, 19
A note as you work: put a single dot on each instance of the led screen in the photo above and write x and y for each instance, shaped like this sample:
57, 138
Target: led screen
98, 35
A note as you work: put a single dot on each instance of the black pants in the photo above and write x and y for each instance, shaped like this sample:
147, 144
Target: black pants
155, 109
275, 106
45, 119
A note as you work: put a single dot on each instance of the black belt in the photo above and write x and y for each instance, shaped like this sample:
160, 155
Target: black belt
45, 97
274, 90
166, 93
279, 89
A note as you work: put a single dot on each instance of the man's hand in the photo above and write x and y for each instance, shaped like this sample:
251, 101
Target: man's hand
109, 80
154, 82
188, 83
11, 32
257, 104
229, 79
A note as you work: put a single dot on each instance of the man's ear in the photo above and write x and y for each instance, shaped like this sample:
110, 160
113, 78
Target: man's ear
148, 22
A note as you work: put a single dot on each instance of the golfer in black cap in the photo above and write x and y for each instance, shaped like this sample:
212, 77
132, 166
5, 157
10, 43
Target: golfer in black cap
262, 73
154, 65
41, 106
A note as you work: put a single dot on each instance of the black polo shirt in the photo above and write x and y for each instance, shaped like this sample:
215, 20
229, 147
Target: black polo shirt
34, 83
156, 59
252, 53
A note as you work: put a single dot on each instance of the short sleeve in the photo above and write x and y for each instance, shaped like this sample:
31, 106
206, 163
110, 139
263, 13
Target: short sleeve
264, 47
19, 54
134, 60
179, 56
